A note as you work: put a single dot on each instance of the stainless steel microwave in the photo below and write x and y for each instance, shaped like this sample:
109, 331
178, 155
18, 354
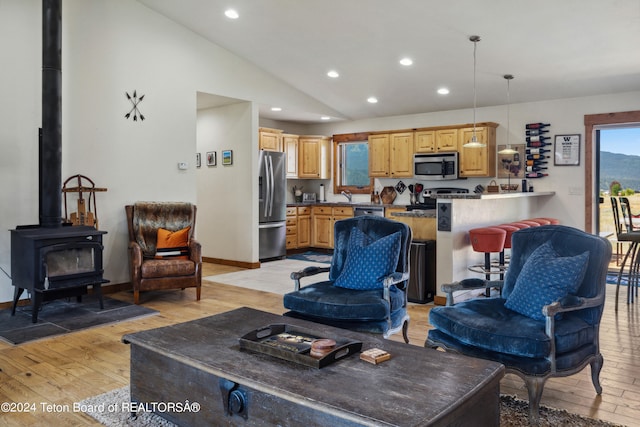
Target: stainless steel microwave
435, 166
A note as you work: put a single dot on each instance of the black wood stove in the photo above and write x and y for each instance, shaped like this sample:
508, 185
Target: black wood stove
54, 263
51, 260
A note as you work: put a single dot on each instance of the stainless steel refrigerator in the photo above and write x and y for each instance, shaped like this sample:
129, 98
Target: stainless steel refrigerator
272, 198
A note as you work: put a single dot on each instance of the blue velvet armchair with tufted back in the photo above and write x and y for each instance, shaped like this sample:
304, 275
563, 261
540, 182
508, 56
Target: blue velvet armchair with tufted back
546, 321
368, 278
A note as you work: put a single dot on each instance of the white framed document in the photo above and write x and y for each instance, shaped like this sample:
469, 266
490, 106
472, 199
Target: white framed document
566, 150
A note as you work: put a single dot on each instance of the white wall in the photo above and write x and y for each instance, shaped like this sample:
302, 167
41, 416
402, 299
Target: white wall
227, 224
20, 102
109, 48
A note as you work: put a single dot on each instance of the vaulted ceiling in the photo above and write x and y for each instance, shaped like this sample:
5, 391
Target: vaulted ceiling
555, 49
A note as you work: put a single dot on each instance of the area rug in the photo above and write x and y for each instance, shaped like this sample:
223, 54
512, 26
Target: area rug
312, 256
612, 279
63, 316
272, 276
110, 410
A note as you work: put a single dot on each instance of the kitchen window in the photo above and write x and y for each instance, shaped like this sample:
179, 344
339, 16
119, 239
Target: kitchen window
352, 167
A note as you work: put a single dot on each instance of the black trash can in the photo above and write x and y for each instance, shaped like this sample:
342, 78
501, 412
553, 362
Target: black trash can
422, 279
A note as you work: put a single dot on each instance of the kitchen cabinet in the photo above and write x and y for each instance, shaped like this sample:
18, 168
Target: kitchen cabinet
292, 228
422, 228
434, 140
322, 227
401, 155
446, 140
480, 161
391, 155
425, 141
269, 139
314, 157
290, 145
379, 155
304, 226
322, 220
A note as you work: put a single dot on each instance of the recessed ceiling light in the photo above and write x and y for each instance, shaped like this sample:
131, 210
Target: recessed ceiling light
406, 61
443, 91
333, 74
231, 14
325, 118
276, 109
372, 100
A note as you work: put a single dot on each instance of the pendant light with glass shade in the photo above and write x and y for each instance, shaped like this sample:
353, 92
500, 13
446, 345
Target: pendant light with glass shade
474, 143
508, 149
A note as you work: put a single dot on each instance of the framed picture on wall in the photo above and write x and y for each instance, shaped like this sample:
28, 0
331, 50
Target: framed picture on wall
198, 160
567, 150
211, 158
227, 157
511, 165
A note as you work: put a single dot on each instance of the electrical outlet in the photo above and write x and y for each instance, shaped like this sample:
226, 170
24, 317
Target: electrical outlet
576, 191
183, 165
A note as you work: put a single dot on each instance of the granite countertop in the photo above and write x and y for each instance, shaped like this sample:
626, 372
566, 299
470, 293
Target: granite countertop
483, 196
341, 204
416, 213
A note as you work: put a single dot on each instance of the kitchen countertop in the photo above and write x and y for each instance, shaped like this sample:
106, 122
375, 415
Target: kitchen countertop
484, 196
417, 213
341, 204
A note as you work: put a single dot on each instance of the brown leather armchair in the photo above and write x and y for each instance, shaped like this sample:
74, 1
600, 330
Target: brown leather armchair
148, 272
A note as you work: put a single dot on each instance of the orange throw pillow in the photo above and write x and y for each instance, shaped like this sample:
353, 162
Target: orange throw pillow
173, 244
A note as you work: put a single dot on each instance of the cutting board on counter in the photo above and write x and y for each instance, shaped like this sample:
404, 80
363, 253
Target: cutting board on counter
388, 195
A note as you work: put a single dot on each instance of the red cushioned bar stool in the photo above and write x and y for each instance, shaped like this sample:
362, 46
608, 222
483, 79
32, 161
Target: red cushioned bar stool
503, 260
552, 221
540, 221
519, 225
487, 240
530, 223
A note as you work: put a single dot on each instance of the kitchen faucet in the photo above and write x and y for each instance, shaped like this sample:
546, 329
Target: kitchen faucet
347, 194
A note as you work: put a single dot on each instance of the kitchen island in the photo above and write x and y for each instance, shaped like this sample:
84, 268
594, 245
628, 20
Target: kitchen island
456, 214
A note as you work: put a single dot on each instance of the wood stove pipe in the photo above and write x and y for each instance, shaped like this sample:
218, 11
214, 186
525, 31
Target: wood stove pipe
50, 150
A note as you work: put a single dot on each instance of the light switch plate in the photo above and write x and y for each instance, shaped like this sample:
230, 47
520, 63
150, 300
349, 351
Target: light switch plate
183, 165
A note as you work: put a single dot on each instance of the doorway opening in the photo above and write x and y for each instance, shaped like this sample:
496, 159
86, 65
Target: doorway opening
616, 162
593, 123
618, 149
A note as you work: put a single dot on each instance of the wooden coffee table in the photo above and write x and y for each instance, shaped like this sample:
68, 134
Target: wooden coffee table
201, 362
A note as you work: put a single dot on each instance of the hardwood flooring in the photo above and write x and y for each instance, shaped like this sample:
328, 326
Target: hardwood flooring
70, 368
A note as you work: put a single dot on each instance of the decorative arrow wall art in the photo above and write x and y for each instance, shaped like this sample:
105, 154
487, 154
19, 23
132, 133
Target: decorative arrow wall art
135, 101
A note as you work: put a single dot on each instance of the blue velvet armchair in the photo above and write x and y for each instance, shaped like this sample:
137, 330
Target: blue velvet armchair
546, 321
368, 278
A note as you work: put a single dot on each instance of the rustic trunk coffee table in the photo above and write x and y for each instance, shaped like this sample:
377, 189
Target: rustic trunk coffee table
201, 362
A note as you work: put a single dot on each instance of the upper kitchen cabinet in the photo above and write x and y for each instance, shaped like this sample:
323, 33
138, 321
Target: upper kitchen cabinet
270, 139
379, 155
401, 154
425, 141
391, 155
447, 140
480, 161
434, 140
314, 157
290, 144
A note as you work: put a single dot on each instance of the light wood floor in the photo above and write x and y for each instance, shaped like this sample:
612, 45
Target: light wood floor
70, 368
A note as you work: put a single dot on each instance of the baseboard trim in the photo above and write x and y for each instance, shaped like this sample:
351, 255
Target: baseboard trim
231, 262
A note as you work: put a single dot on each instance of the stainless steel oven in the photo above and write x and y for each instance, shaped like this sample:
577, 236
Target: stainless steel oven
435, 166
